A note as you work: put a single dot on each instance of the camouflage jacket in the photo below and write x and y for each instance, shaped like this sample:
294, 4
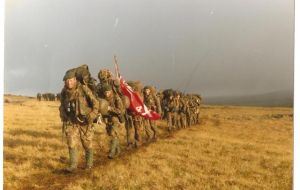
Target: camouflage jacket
171, 106
114, 85
152, 102
182, 106
78, 105
116, 105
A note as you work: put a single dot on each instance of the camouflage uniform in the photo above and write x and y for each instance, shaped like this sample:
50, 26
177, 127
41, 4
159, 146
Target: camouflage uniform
134, 122
152, 102
182, 111
171, 113
78, 109
197, 104
105, 78
135, 128
112, 121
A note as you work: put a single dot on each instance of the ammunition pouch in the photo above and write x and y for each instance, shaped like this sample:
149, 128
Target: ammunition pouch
121, 118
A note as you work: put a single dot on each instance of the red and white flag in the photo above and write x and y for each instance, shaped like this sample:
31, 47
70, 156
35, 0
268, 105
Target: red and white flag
136, 103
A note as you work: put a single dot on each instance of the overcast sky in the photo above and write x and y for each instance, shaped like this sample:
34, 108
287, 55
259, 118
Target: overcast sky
212, 47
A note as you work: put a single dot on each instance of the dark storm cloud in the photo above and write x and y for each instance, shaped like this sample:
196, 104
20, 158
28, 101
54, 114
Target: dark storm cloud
212, 47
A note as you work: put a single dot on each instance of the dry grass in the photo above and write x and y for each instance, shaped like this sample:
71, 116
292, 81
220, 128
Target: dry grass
233, 148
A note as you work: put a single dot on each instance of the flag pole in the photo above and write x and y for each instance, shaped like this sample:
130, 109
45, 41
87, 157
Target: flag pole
116, 67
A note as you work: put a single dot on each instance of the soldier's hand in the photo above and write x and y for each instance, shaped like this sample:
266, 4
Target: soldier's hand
91, 117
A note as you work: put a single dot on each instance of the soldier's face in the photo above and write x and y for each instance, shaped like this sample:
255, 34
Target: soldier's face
108, 94
71, 83
147, 91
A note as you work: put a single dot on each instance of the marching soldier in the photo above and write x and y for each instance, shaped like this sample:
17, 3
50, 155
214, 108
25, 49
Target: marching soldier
152, 102
112, 120
78, 109
134, 122
182, 110
171, 110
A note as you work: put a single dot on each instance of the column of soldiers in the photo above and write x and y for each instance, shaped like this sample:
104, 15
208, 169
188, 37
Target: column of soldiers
48, 97
84, 103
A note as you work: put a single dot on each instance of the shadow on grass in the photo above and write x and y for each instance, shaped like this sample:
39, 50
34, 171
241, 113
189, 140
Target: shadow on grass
32, 133
63, 178
13, 143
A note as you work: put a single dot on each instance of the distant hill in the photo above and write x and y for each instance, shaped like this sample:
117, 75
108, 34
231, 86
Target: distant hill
278, 98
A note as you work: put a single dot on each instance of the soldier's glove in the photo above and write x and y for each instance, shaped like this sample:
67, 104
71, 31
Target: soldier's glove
99, 119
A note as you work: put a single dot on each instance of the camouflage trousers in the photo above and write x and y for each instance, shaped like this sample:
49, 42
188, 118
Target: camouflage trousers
112, 127
83, 133
181, 120
150, 128
197, 118
172, 120
135, 129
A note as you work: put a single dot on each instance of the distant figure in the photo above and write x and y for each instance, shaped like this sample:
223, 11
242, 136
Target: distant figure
58, 96
39, 96
45, 97
78, 109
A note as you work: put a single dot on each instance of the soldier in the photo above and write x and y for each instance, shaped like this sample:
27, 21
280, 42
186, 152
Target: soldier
182, 110
45, 97
196, 107
52, 97
134, 122
170, 109
58, 96
105, 78
152, 102
78, 109
39, 96
193, 107
112, 120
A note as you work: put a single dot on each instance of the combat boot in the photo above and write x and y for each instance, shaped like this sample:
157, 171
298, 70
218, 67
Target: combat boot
73, 160
89, 158
113, 146
154, 134
118, 149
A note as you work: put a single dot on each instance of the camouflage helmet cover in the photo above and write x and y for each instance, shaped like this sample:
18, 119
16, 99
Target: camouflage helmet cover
104, 74
106, 87
71, 73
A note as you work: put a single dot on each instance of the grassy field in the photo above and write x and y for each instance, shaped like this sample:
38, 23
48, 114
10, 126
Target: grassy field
233, 148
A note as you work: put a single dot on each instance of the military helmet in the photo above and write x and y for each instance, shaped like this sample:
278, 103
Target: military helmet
71, 73
104, 74
147, 87
106, 87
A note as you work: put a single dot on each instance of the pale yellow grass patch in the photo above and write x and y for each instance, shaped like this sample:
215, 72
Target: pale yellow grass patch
233, 148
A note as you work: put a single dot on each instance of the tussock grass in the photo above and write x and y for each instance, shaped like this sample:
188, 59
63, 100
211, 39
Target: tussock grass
233, 148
